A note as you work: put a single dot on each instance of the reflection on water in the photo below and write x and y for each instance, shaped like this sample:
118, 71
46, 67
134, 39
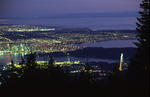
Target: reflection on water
112, 44
6, 58
71, 58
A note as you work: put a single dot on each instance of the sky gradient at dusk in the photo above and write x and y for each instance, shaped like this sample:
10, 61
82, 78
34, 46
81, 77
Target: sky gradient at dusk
33, 8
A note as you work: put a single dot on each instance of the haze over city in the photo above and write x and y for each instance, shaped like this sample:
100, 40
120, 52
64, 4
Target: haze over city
113, 14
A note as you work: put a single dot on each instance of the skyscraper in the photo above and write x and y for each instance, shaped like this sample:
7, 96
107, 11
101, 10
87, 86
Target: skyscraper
121, 62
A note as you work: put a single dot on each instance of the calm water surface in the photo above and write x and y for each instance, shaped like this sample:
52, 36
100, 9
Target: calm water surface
96, 23
112, 44
5, 59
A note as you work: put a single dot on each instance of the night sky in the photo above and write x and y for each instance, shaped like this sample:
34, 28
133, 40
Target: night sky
38, 8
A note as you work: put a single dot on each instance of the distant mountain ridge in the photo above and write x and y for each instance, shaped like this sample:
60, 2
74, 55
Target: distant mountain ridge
71, 29
80, 15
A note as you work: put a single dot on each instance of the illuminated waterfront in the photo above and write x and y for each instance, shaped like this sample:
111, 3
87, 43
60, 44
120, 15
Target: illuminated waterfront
19, 38
6, 57
68, 47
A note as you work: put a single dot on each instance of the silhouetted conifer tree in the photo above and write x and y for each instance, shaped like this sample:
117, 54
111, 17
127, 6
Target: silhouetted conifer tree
31, 61
11, 66
51, 62
22, 61
85, 75
115, 77
139, 66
